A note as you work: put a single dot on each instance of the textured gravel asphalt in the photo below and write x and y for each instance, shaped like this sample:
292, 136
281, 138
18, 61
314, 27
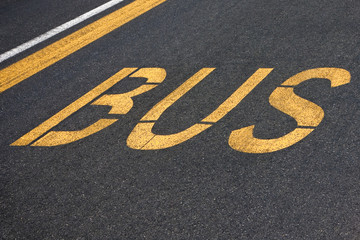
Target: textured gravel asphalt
98, 188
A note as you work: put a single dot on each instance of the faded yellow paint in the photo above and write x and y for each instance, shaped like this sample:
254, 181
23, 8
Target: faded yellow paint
153, 75
243, 140
164, 104
53, 53
122, 103
72, 108
307, 114
142, 136
238, 95
56, 138
337, 76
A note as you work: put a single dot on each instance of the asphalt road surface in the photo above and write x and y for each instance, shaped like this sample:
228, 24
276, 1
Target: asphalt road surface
85, 156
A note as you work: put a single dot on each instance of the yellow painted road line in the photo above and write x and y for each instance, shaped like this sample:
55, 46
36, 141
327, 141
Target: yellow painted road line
72, 108
53, 53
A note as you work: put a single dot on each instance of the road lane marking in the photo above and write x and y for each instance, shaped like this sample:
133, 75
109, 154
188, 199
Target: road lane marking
307, 114
159, 108
57, 30
142, 136
120, 103
72, 108
238, 95
56, 138
53, 53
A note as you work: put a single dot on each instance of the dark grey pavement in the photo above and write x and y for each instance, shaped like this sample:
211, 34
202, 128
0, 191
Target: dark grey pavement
98, 188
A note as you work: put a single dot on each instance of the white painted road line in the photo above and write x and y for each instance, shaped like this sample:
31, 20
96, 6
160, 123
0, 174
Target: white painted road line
57, 30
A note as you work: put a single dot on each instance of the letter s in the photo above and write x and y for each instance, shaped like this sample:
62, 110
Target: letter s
307, 114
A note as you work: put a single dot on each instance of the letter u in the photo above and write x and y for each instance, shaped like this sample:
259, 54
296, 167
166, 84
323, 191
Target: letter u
142, 137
